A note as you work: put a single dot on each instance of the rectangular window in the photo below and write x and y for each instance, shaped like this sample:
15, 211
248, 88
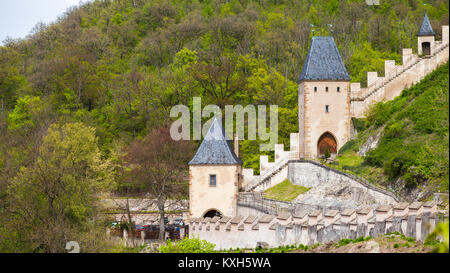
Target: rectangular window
339, 89
327, 108
212, 180
326, 88
315, 89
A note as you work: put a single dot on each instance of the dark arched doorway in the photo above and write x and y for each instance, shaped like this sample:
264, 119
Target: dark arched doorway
426, 48
326, 140
212, 213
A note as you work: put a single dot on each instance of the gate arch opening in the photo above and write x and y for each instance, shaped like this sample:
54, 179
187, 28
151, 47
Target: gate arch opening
426, 48
326, 140
212, 213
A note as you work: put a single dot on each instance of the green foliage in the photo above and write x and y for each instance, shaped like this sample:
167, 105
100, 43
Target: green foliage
327, 153
351, 145
193, 245
414, 143
442, 232
25, 113
371, 59
345, 241
359, 124
54, 199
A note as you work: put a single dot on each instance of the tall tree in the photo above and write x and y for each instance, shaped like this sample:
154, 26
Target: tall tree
53, 201
157, 164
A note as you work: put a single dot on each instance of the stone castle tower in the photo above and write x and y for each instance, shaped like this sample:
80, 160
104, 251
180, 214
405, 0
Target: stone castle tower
425, 37
215, 175
323, 100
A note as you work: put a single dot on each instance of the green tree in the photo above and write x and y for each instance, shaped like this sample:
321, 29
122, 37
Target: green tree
53, 201
327, 153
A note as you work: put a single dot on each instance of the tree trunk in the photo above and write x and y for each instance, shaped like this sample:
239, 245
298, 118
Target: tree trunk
130, 222
162, 226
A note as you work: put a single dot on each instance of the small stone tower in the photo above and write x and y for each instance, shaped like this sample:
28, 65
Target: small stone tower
425, 37
323, 100
215, 175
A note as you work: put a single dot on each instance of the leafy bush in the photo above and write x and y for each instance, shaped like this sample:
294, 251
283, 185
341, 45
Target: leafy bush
187, 245
351, 145
440, 232
359, 124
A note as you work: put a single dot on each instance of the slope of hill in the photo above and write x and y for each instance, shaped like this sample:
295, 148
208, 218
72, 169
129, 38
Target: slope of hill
403, 144
119, 66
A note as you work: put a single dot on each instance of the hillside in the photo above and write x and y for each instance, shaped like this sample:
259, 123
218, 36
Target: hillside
85, 102
411, 139
119, 66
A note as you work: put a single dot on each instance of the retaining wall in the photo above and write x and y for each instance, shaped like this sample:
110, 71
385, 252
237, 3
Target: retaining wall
311, 174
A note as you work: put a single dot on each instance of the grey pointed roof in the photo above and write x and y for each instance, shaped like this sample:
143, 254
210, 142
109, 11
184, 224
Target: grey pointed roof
323, 61
426, 29
215, 148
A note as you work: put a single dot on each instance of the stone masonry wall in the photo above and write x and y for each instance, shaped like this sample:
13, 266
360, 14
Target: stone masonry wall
415, 220
310, 174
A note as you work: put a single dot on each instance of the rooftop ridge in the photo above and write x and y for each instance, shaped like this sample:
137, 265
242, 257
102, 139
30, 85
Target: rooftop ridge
323, 61
215, 148
426, 29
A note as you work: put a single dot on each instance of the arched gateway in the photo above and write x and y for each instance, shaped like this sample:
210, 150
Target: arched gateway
326, 140
212, 213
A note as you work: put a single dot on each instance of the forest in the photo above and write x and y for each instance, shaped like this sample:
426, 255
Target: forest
80, 97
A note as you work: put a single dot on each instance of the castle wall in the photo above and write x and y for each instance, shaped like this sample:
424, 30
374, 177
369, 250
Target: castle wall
415, 220
222, 197
315, 121
398, 77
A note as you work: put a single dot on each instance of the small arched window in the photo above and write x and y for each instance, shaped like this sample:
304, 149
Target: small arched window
338, 89
326, 89
315, 89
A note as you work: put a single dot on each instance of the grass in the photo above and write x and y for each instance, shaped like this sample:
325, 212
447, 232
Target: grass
344, 242
414, 142
285, 191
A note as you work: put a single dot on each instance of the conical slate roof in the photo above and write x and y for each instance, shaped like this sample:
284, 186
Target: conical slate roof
323, 61
215, 148
426, 29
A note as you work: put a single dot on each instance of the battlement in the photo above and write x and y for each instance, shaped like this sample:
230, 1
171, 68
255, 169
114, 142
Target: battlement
415, 220
414, 67
275, 172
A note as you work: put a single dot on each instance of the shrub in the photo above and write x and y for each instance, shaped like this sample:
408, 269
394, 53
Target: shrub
442, 231
194, 245
351, 145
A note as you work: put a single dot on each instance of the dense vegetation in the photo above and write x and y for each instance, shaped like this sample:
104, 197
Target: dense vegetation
110, 71
412, 154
